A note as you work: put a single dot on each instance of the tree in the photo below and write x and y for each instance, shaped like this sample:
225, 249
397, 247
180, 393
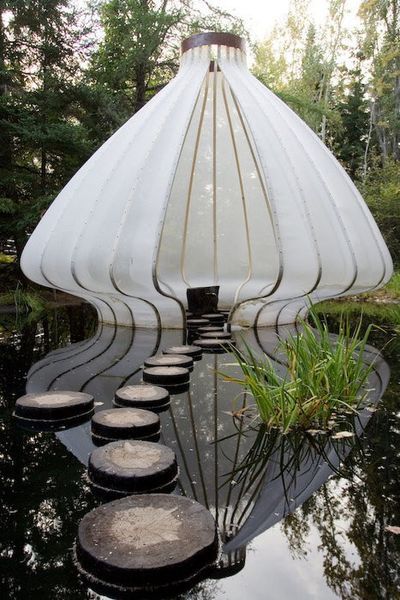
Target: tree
381, 191
350, 141
292, 62
138, 54
381, 45
140, 50
41, 52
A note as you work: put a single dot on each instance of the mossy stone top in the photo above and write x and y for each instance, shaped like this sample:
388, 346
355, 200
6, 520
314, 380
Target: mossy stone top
132, 466
55, 405
125, 423
169, 360
142, 396
217, 335
166, 375
147, 540
210, 328
188, 350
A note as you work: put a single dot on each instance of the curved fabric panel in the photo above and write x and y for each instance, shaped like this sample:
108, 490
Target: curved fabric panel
214, 182
331, 245
94, 239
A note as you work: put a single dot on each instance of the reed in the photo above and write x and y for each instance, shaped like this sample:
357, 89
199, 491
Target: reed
325, 376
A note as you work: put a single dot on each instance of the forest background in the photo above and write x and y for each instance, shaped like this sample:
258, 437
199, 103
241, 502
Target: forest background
72, 71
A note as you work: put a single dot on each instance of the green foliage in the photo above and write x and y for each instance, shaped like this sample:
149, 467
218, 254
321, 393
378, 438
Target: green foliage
387, 313
6, 259
25, 301
381, 45
350, 140
28, 302
324, 376
299, 63
43, 139
140, 50
381, 191
394, 285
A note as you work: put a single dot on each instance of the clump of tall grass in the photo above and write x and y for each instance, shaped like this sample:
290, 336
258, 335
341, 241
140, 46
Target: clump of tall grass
326, 375
27, 302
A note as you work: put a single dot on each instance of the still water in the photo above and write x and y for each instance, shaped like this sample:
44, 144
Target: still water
300, 516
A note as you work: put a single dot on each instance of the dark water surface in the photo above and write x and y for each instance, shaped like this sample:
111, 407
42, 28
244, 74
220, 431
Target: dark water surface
295, 521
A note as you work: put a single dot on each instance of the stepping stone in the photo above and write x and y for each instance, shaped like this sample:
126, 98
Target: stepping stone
210, 328
166, 375
192, 351
169, 360
149, 544
213, 345
150, 397
125, 423
175, 379
132, 467
217, 335
52, 410
214, 318
195, 323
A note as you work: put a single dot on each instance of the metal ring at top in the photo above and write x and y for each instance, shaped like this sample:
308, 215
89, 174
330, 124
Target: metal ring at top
213, 38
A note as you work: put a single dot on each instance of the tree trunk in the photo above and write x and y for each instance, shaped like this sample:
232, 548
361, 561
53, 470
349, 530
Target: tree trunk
365, 161
140, 84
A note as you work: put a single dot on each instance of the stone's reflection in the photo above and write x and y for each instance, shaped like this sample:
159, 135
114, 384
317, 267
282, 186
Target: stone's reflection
249, 479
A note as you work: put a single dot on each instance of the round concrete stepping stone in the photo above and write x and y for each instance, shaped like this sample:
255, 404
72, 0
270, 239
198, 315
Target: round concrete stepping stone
149, 397
214, 318
216, 335
169, 360
213, 344
53, 409
166, 375
125, 423
210, 328
151, 544
192, 351
195, 323
132, 467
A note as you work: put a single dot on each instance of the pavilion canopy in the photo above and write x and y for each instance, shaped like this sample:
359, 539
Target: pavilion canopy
214, 182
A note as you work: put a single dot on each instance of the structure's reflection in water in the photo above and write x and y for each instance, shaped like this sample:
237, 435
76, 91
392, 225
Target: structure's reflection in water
212, 447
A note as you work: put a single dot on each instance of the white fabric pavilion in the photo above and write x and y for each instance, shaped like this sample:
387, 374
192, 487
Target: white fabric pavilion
214, 182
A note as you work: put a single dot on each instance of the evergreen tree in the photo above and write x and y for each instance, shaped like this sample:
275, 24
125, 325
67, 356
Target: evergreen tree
350, 140
45, 141
381, 20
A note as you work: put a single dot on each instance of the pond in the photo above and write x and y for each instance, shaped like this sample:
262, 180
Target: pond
299, 516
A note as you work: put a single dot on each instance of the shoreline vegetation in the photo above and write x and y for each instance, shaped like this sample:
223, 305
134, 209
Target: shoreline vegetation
326, 376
